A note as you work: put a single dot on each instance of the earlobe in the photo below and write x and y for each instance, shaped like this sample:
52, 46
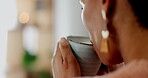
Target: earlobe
106, 4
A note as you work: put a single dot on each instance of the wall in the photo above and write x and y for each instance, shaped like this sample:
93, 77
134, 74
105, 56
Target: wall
68, 19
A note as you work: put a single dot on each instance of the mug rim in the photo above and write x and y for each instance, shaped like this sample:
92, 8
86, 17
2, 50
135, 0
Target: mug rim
68, 38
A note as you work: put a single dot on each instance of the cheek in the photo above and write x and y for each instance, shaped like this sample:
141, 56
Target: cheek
91, 16
92, 19
96, 39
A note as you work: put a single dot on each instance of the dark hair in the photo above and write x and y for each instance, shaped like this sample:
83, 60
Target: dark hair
140, 8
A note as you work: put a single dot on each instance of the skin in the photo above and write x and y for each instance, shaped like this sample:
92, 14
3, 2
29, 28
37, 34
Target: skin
127, 39
64, 61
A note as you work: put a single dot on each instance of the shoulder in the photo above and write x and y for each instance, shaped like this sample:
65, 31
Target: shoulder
135, 69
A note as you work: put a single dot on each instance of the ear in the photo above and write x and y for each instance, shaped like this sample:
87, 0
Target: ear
106, 4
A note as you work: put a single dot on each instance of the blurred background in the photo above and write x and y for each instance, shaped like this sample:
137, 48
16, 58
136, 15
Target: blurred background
34, 27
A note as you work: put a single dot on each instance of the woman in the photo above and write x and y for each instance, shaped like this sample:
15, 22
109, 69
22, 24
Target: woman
118, 31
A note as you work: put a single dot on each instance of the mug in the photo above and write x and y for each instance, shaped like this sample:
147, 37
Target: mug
87, 58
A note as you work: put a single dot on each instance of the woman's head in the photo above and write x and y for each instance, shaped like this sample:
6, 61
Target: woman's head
120, 14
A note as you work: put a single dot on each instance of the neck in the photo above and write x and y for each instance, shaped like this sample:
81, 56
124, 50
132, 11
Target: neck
133, 39
134, 45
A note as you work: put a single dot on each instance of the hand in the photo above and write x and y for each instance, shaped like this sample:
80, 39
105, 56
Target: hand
64, 63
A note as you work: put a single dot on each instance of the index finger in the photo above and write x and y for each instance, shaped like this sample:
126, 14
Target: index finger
57, 54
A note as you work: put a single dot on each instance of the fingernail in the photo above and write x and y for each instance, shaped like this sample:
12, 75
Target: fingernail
62, 40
